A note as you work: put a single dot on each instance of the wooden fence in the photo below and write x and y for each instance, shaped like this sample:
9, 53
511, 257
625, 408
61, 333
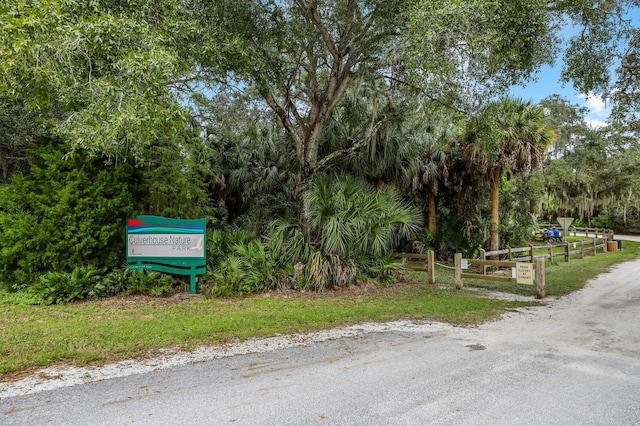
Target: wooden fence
602, 232
520, 275
426, 262
586, 231
579, 247
421, 262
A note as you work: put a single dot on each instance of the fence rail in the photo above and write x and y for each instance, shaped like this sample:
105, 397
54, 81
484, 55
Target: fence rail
602, 232
585, 246
426, 262
536, 277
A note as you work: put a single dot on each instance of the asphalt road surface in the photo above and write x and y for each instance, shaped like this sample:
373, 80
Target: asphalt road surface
575, 361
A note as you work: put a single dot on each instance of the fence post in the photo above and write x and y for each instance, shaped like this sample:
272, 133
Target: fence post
431, 267
604, 244
531, 253
509, 252
566, 252
483, 256
550, 248
582, 249
595, 245
457, 260
541, 282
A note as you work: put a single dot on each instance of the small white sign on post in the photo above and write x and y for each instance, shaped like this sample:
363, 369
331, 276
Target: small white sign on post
524, 273
464, 263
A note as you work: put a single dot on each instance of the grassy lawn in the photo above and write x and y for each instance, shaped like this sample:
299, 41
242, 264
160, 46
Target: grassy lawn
114, 329
120, 328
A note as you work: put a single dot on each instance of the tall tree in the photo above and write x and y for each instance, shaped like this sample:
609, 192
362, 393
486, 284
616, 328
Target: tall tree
301, 56
111, 70
436, 162
508, 136
100, 72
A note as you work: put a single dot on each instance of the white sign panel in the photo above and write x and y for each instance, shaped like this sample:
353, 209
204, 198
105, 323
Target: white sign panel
165, 245
464, 263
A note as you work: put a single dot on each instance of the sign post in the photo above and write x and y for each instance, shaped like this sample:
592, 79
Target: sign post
163, 244
564, 222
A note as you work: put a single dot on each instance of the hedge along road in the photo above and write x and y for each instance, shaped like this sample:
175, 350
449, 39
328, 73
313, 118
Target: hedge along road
575, 361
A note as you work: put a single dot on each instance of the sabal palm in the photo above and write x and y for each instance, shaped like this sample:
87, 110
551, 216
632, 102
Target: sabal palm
509, 135
435, 165
351, 218
380, 127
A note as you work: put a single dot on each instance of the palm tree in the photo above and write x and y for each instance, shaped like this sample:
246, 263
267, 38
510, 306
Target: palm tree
435, 166
380, 128
509, 135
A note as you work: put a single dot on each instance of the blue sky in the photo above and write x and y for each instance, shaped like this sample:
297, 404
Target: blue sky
548, 83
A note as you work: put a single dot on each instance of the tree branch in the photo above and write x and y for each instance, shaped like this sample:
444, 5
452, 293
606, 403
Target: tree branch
425, 93
353, 148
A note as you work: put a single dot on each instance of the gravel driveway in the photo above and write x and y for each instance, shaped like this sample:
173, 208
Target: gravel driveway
575, 361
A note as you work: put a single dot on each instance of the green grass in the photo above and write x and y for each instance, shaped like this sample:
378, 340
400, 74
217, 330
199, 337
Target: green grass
561, 277
105, 331
120, 328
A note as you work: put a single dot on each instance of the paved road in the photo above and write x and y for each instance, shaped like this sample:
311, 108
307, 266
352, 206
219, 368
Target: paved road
575, 361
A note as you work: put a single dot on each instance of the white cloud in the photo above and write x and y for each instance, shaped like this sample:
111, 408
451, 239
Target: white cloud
596, 104
596, 124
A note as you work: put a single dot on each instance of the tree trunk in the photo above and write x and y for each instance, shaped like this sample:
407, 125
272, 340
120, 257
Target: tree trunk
432, 213
495, 208
305, 180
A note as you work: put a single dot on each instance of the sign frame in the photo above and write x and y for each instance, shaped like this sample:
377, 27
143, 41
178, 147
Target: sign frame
175, 246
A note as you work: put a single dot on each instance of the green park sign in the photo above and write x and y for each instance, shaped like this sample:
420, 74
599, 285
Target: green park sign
175, 246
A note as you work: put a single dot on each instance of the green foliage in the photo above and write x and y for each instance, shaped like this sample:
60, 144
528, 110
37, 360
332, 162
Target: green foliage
455, 234
516, 229
255, 162
19, 299
104, 66
221, 244
19, 132
88, 282
249, 269
68, 211
356, 226
383, 269
114, 283
150, 283
174, 177
503, 42
63, 287
350, 218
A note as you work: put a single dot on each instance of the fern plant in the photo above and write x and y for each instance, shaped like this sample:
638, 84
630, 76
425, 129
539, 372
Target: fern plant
63, 287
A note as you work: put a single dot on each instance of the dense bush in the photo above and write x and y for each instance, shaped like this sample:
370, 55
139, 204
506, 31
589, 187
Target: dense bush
88, 282
62, 287
68, 211
249, 269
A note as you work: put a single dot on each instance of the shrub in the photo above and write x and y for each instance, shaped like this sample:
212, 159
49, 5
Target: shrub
67, 211
62, 287
150, 283
351, 218
249, 269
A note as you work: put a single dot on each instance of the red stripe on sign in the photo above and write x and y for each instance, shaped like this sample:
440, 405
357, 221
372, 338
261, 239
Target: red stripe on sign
135, 222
